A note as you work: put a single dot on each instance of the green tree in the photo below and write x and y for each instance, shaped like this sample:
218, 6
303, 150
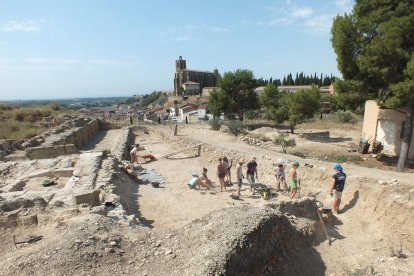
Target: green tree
283, 140
150, 98
269, 99
300, 106
219, 102
239, 86
374, 45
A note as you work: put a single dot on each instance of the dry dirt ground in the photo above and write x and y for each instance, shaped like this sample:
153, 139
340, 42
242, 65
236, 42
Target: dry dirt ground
180, 228
363, 234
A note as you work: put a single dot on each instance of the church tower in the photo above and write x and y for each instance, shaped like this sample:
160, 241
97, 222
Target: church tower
180, 64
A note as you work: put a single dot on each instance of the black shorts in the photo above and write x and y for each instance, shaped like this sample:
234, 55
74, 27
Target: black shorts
221, 175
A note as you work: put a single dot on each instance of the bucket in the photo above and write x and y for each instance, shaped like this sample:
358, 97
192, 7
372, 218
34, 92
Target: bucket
265, 193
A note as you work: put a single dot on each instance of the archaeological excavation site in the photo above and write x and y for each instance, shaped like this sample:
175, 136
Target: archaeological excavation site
72, 203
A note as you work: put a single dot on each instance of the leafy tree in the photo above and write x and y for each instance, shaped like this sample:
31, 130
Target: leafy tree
219, 102
300, 106
251, 114
283, 140
374, 46
269, 99
239, 86
150, 98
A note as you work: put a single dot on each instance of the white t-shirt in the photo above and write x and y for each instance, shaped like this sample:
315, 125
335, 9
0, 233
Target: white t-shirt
133, 151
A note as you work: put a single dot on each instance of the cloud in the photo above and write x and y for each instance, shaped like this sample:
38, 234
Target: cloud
320, 23
51, 61
193, 28
183, 39
216, 29
344, 5
23, 26
302, 11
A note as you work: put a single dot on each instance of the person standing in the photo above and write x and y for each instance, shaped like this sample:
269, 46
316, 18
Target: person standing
240, 175
280, 177
228, 163
337, 186
293, 179
251, 172
221, 173
133, 154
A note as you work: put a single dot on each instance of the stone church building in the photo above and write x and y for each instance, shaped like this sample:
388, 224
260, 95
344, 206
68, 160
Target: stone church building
192, 81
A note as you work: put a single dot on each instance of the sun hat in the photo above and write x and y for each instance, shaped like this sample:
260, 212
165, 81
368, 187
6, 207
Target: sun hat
296, 163
338, 167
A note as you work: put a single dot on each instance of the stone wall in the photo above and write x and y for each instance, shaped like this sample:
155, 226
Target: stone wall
80, 135
50, 152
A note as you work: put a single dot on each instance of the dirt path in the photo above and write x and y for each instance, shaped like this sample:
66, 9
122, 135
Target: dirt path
174, 204
103, 140
359, 236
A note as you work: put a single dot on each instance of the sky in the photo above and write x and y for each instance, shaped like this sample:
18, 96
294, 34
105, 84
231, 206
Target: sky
54, 49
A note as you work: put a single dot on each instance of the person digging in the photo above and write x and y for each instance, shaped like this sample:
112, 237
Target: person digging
337, 186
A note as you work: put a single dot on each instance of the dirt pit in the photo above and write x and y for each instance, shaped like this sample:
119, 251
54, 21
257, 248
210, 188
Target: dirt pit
183, 231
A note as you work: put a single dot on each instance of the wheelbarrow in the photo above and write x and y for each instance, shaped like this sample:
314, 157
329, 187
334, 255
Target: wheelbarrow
263, 190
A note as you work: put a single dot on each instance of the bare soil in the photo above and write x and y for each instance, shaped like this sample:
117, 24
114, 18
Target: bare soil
185, 231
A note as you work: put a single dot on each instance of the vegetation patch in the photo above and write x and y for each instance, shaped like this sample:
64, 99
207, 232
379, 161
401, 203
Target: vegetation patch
235, 127
215, 124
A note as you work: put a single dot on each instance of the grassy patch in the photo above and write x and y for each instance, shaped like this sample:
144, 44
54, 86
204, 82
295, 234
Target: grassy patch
15, 130
22, 123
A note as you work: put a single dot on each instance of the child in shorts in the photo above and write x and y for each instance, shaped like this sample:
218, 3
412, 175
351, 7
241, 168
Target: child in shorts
280, 177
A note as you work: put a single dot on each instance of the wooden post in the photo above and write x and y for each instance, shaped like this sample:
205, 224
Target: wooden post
199, 151
175, 130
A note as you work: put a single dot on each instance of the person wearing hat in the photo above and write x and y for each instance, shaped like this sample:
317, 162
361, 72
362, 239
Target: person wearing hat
337, 186
293, 179
240, 175
251, 171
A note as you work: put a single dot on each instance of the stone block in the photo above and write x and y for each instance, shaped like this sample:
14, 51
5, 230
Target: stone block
90, 197
27, 220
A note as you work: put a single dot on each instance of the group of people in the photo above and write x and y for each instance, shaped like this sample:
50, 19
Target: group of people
223, 171
224, 175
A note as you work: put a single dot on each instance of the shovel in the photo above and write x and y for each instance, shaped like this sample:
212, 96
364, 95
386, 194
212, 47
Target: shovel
323, 225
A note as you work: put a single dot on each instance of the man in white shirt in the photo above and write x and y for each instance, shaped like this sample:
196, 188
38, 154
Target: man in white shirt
133, 154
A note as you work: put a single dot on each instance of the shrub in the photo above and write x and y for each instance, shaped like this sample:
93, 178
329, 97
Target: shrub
55, 106
235, 127
19, 116
344, 117
15, 130
215, 124
231, 116
283, 140
250, 114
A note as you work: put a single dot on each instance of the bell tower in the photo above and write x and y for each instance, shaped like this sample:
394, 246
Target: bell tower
180, 64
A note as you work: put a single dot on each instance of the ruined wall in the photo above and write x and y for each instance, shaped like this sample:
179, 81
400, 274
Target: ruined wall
71, 140
50, 152
80, 135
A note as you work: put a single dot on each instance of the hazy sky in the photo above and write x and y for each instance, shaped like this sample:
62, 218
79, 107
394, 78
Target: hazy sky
96, 48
